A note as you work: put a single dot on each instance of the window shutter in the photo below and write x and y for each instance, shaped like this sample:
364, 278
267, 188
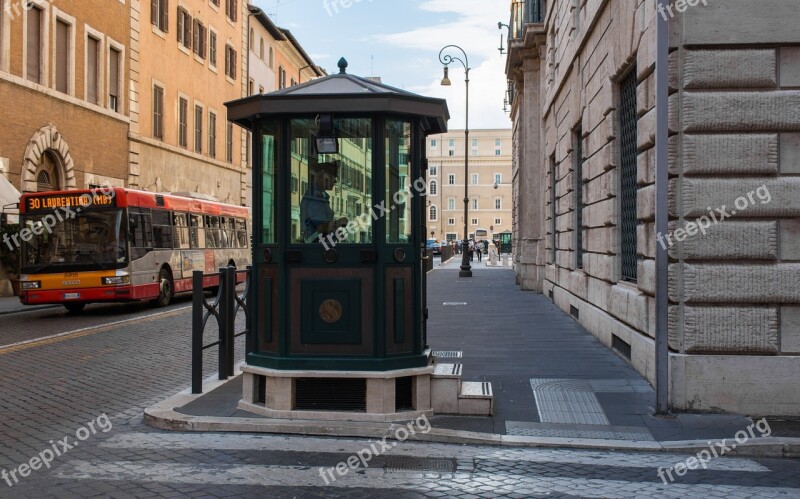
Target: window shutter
34, 45
92, 48
180, 26
155, 15
62, 56
165, 16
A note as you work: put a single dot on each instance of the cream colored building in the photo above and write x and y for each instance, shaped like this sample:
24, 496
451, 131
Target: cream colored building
489, 183
584, 118
188, 58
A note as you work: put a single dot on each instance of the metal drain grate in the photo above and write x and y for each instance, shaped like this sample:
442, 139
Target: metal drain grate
785, 427
448, 354
399, 463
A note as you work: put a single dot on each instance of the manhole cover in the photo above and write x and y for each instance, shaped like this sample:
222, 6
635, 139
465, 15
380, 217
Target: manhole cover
420, 464
785, 427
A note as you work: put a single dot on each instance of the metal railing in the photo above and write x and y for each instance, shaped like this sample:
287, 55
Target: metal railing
525, 12
224, 308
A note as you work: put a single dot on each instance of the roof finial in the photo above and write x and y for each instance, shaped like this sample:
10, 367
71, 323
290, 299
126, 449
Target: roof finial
342, 66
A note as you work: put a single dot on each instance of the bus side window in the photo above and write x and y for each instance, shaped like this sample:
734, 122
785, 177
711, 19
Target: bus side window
197, 232
141, 233
162, 229
181, 231
241, 233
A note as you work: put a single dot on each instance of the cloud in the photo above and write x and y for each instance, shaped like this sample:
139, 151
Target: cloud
474, 29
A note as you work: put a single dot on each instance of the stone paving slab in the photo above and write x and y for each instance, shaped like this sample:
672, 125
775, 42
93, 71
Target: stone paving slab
507, 337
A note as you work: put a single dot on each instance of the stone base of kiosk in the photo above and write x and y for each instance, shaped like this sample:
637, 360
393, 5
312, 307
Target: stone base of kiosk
379, 395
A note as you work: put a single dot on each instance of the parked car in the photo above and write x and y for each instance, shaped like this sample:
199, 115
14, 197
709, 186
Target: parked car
435, 245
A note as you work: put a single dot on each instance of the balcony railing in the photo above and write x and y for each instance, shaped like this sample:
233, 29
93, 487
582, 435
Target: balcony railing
525, 12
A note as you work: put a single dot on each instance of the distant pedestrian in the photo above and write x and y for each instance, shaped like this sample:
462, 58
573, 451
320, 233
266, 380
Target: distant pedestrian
479, 249
471, 250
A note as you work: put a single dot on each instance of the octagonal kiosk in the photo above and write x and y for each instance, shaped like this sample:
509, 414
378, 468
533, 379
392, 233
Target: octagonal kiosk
338, 248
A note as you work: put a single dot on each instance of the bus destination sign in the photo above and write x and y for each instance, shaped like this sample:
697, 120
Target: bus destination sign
85, 200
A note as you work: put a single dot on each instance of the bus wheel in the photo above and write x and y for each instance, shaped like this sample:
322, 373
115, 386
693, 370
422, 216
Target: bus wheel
74, 308
165, 289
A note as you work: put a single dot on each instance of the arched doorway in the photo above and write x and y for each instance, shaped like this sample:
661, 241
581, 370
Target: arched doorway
47, 176
47, 164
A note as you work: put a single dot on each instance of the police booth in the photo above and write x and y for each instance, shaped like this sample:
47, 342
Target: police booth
338, 289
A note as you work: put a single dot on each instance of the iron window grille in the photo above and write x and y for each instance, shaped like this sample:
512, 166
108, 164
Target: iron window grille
628, 156
579, 198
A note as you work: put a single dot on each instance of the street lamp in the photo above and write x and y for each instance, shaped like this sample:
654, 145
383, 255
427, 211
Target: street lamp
446, 59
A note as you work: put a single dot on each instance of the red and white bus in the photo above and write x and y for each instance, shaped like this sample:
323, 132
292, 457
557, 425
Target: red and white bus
117, 245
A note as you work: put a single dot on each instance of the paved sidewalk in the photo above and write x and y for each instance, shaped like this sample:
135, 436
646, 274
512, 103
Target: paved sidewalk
554, 383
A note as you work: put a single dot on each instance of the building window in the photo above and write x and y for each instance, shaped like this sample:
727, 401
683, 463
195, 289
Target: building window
451, 203
260, 89
63, 51
474, 179
184, 28
159, 14
451, 152
231, 9
281, 78
212, 135
252, 40
474, 142
212, 48
433, 215
199, 32
250, 87
271, 57
627, 138
433, 143
474, 221
261, 48
498, 204
452, 142
578, 197
34, 63
93, 70
293, 82
432, 190
433, 170
198, 129
498, 221
230, 62
183, 121
497, 152
498, 178
451, 179
229, 143
475, 204
451, 221
114, 59
158, 112
552, 210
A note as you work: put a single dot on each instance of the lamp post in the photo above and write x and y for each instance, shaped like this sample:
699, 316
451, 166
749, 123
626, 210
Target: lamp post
446, 59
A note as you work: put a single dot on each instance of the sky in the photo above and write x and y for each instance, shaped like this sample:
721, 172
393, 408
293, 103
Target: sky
400, 40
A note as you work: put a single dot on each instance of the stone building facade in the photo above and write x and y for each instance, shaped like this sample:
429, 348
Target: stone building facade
489, 183
584, 166
188, 58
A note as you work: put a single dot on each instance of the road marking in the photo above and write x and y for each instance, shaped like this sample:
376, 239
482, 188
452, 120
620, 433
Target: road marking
78, 333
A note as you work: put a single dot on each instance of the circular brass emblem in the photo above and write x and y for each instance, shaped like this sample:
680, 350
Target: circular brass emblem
399, 255
267, 255
331, 255
330, 311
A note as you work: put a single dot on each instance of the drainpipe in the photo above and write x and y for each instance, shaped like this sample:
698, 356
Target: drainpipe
662, 208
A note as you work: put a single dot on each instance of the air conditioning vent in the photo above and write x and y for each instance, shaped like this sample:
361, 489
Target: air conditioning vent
403, 394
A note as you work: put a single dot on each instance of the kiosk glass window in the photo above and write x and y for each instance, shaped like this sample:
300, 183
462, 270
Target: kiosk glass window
335, 198
269, 148
398, 181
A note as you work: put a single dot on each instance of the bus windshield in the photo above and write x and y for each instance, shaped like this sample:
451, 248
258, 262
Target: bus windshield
93, 240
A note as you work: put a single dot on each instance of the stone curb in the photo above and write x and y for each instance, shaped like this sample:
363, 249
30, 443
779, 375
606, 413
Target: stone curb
164, 416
